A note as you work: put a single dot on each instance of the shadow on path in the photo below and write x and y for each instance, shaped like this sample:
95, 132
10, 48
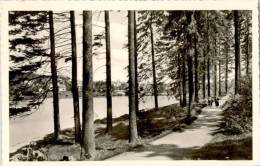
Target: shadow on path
179, 145
169, 151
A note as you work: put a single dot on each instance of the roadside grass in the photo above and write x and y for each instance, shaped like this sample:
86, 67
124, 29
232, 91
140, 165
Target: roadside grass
237, 116
229, 149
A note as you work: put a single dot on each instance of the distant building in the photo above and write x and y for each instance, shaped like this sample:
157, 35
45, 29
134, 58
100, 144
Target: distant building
62, 87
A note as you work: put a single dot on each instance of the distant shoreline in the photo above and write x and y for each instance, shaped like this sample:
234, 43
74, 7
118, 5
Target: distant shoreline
68, 94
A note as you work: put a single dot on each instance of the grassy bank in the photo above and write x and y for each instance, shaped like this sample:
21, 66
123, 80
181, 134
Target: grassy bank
152, 125
226, 148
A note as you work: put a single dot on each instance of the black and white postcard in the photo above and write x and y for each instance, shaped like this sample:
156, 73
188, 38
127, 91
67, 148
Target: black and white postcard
140, 82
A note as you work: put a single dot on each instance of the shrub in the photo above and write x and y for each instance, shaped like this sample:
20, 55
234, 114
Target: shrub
237, 116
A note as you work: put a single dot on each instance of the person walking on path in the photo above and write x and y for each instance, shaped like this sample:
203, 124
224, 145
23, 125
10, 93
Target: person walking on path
217, 102
210, 101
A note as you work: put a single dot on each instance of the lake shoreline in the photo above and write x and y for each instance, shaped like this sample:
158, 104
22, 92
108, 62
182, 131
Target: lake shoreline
68, 94
65, 96
172, 119
22, 132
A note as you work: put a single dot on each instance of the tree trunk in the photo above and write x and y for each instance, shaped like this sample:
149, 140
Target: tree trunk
239, 62
153, 67
208, 57
204, 75
87, 96
226, 71
55, 88
136, 66
237, 51
133, 135
196, 98
179, 79
215, 68
74, 85
247, 49
208, 72
108, 75
190, 73
219, 78
215, 79
184, 100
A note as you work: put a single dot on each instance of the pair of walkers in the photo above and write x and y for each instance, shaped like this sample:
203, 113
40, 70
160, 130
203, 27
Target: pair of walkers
216, 100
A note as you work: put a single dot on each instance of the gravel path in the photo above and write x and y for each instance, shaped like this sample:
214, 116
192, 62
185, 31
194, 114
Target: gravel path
178, 145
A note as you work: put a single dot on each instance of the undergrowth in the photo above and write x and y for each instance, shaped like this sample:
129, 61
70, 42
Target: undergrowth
237, 114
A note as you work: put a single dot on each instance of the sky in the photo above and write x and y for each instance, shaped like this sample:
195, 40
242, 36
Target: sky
118, 37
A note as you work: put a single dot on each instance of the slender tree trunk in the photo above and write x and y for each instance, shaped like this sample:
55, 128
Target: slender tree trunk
184, 100
237, 51
108, 75
226, 71
215, 79
153, 67
219, 78
179, 79
196, 87
215, 68
87, 96
239, 62
247, 49
133, 135
204, 75
208, 72
136, 66
208, 57
190, 72
190, 76
74, 84
55, 88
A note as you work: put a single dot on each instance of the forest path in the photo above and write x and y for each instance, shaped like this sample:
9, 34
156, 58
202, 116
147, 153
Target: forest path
179, 145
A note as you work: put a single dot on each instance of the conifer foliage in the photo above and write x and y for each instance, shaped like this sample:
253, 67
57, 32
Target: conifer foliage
27, 55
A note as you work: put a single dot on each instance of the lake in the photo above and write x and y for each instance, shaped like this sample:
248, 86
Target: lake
36, 125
